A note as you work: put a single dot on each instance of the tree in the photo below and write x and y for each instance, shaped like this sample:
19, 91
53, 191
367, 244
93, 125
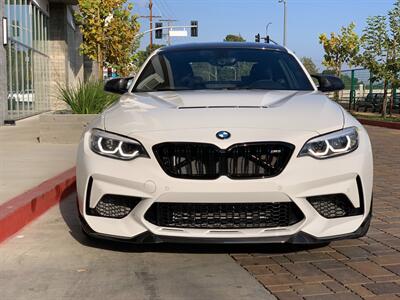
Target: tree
377, 53
341, 48
394, 61
381, 47
234, 38
309, 65
109, 29
381, 44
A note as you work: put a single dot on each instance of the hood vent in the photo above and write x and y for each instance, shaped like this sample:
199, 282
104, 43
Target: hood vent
225, 106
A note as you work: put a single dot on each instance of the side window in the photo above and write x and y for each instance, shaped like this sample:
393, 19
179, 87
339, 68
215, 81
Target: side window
152, 77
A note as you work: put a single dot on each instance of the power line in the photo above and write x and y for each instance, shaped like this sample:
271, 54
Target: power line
161, 11
168, 9
162, 7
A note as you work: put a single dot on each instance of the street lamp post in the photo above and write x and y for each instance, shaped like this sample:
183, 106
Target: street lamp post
284, 21
266, 29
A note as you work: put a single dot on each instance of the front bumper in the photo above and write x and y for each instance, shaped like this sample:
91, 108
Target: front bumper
300, 238
302, 178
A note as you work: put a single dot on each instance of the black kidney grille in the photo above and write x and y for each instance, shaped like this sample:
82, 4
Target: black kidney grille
206, 161
224, 215
334, 206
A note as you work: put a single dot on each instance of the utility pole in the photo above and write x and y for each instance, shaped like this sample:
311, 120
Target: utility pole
151, 17
151, 23
284, 21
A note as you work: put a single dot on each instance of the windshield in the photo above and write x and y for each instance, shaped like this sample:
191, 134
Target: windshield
222, 69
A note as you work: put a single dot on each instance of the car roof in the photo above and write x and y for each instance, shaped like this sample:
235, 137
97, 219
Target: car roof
223, 45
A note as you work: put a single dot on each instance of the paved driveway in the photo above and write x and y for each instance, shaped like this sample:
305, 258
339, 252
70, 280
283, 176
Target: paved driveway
368, 268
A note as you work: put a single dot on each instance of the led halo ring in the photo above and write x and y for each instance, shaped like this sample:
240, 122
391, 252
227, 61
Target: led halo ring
350, 134
99, 136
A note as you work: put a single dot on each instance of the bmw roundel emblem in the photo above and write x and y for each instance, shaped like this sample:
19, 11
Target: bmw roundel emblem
223, 135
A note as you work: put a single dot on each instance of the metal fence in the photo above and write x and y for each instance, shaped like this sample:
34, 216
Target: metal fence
362, 92
27, 59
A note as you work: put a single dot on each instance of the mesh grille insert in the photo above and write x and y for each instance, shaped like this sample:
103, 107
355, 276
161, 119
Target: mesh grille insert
207, 161
334, 206
224, 215
114, 206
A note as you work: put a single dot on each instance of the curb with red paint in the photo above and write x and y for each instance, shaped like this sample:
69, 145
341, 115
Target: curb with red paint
23, 209
391, 125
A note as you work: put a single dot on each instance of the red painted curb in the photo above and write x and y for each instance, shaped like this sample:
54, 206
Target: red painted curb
391, 125
23, 209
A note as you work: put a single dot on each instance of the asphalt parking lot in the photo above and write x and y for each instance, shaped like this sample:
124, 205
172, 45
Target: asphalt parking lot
51, 259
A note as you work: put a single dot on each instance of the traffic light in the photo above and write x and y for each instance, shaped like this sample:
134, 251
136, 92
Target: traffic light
159, 32
194, 31
258, 38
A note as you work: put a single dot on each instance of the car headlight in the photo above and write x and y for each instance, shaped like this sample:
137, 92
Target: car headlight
332, 144
115, 146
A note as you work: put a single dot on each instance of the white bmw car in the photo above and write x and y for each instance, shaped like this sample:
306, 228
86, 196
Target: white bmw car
225, 143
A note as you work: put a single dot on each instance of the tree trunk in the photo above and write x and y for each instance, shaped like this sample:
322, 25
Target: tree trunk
391, 101
100, 58
337, 71
394, 80
100, 63
384, 104
100, 70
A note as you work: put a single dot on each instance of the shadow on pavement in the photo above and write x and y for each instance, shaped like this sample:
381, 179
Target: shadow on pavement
68, 209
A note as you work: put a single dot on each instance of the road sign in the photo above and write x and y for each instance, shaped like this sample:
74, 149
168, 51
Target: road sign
178, 33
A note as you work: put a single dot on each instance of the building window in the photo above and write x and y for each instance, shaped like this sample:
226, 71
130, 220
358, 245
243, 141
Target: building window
27, 59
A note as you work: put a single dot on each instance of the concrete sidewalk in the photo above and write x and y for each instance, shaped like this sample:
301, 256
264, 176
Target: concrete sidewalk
52, 259
25, 163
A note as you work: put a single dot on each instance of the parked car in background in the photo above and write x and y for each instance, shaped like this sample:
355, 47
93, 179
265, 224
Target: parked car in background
373, 102
21, 100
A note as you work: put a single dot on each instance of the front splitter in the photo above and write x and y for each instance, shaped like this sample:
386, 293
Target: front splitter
300, 238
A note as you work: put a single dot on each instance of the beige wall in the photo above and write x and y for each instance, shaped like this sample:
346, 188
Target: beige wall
66, 64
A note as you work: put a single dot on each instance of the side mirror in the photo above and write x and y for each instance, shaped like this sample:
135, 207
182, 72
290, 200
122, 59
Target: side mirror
329, 83
118, 85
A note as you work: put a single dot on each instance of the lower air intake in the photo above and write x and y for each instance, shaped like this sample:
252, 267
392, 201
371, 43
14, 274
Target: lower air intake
224, 215
334, 206
114, 206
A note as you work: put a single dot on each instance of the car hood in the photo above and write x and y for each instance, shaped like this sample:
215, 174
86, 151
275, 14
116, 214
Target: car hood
286, 110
